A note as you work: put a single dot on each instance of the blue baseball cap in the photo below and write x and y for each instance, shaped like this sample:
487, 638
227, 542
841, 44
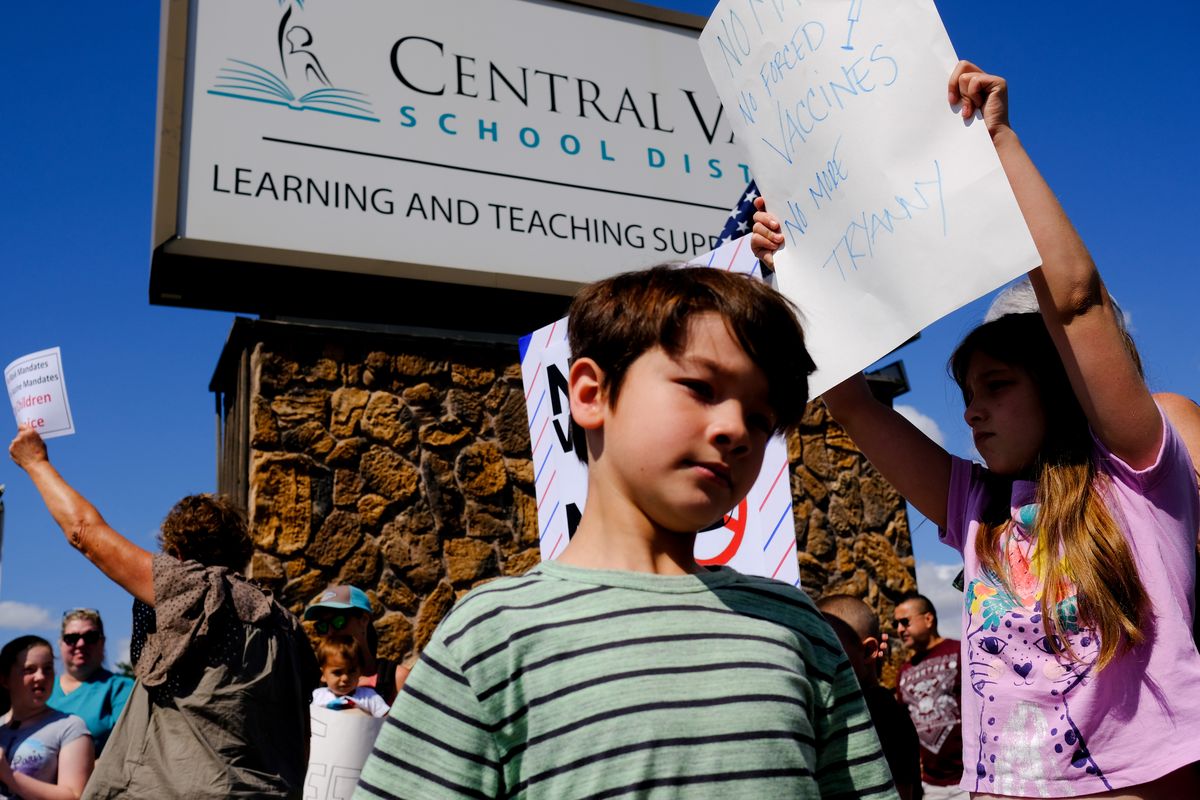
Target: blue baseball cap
339, 597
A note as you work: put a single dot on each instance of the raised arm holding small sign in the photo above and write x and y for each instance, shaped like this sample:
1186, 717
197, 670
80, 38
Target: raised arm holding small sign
895, 212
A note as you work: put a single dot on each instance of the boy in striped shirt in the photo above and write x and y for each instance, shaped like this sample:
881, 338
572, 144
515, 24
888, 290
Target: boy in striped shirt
624, 669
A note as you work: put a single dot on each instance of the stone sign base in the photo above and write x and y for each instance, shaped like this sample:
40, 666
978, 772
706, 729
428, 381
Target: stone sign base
400, 463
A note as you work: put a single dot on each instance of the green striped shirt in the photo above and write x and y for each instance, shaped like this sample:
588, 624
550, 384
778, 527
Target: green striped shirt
579, 683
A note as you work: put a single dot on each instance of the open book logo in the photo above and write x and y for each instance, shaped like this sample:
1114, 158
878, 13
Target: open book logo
301, 82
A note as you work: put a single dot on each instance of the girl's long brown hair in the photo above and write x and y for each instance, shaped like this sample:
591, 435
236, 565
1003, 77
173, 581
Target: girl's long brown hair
1078, 540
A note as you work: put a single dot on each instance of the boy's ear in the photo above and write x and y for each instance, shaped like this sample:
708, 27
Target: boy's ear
870, 646
585, 385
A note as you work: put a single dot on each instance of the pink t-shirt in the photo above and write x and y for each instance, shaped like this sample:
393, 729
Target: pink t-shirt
1040, 725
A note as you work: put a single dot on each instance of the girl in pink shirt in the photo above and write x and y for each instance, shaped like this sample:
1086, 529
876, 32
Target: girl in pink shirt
1080, 675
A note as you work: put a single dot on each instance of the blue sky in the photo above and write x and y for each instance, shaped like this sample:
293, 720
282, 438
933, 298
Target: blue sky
1100, 95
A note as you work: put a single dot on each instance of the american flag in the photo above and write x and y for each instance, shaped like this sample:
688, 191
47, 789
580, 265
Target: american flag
741, 218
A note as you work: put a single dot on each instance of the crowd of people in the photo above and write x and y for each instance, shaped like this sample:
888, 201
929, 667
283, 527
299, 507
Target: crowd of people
56, 725
624, 668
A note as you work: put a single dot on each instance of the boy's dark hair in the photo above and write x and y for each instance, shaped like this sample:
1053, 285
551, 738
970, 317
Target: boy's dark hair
614, 321
207, 528
852, 611
345, 647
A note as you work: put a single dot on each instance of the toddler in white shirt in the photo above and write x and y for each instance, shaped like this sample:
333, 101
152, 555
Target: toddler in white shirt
341, 668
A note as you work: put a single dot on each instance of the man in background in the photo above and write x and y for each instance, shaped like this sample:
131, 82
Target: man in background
930, 686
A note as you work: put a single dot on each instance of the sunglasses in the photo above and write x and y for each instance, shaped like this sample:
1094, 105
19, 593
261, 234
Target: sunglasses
89, 637
902, 622
326, 624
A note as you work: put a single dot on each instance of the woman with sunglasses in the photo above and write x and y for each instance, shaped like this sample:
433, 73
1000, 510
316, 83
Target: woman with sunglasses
224, 673
85, 688
346, 611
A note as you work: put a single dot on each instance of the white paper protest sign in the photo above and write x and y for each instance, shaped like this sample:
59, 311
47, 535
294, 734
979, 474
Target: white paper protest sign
341, 742
38, 393
757, 538
895, 211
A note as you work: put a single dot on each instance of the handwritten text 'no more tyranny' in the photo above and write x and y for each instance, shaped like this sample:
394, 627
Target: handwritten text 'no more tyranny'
860, 229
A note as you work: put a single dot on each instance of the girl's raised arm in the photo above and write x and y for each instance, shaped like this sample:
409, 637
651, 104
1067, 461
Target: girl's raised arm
912, 462
1075, 305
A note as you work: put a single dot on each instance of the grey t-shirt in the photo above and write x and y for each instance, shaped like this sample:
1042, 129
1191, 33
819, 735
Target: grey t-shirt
32, 749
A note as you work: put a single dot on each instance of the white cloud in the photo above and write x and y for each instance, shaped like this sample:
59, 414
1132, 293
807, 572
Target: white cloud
24, 616
933, 581
925, 423
121, 652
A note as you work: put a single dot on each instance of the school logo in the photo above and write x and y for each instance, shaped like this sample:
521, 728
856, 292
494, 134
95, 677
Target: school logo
299, 81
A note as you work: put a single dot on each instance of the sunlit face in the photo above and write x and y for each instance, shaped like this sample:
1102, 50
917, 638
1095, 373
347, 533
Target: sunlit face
340, 676
81, 647
1004, 410
686, 437
914, 626
31, 678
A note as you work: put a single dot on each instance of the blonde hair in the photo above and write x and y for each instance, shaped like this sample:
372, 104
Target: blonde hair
87, 614
1078, 541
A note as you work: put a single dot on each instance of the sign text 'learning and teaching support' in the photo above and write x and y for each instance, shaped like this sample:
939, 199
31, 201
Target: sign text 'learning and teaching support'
894, 210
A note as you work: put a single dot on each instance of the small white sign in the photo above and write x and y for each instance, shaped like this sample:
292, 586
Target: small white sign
895, 211
38, 393
758, 537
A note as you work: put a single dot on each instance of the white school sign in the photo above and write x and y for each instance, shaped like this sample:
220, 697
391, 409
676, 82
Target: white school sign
895, 211
528, 144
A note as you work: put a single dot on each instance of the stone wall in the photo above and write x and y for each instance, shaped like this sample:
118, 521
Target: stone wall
852, 533
401, 464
